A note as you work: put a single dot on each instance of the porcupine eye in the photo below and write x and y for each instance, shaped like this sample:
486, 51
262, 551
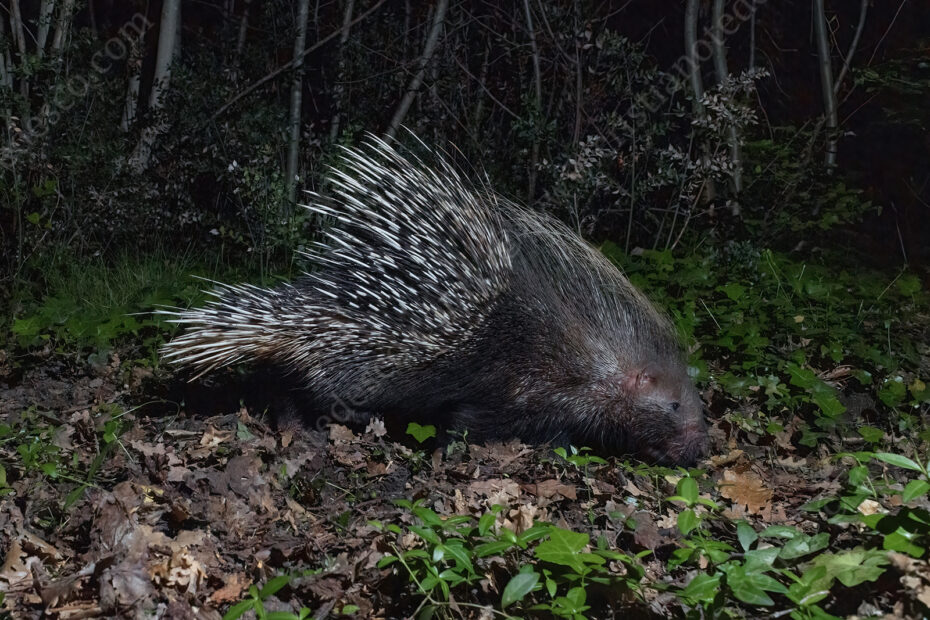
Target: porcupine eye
675, 406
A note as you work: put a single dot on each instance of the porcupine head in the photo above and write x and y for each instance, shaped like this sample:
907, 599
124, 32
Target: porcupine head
603, 367
666, 413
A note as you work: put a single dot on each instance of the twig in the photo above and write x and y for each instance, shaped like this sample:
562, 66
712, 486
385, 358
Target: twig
292, 64
429, 48
863, 9
887, 30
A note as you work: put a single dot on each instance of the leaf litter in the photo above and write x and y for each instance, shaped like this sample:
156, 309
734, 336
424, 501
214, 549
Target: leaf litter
181, 513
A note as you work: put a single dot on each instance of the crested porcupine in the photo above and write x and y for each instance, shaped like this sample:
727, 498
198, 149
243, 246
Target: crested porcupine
438, 300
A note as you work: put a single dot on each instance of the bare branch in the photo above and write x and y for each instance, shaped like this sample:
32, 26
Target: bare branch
428, 49
826, 82
293, 63
537, 88
297, 87
863, 10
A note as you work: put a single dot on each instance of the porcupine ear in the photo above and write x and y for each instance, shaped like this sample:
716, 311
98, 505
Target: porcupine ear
641, 379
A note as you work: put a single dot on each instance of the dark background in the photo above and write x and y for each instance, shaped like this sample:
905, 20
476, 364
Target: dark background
216, 182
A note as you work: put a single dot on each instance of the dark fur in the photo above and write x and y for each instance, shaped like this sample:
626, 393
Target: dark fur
441, 302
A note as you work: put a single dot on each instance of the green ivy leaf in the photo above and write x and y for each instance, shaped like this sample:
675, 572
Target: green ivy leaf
746, 535
688, 489
421, 433
914, 489
761, 560
871, 434
273, 585
893, 392
747, 587
687, 521
564, 548
897, 460
26, 328
804, 545
518, 587
703, 588
902, 541
853, 567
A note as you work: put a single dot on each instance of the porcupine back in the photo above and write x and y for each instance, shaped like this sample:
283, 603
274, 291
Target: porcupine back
436, 298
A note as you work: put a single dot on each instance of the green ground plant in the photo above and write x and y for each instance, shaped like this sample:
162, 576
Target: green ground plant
791, 336
30, 444
552, 567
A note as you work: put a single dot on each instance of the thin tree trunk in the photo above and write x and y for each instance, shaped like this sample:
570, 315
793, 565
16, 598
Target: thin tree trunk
408, 10
92, 14
56, 51
19, 37
697, 82
295, 62
482, 86
16, 27
579, 77
46, 11
537, 102
723, 75
62, 28
6, 77
134, 65
434, 103
167, 41
863, 11
339, 88
428, 49
826, 83
6, 82
297, 86
243, 31
752, 34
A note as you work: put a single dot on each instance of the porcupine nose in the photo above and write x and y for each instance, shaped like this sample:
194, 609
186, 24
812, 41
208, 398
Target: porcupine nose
693, 442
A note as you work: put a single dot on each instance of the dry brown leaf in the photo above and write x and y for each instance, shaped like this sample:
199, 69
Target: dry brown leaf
915, 575
232, 589
375, 469
632, 489
667, 521
339, 433
521, 519
646, 534
502, 454
550, 489
376, 427
720, 460
498, 491
213, 437
14, 570
746, 489
870, 507
599, 487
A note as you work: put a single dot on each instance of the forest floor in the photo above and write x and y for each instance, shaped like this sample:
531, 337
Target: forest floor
115, 507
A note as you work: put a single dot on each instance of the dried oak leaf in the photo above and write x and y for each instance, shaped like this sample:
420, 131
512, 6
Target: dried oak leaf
915, 575
746, 489
341, 434
501, 454
522, 518
500, 491
646, 534
551, 489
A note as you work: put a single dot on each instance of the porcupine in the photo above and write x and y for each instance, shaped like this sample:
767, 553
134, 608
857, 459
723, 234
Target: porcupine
436, 299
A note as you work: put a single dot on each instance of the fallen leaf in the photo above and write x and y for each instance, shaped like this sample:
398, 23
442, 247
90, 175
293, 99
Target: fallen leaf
746, 489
